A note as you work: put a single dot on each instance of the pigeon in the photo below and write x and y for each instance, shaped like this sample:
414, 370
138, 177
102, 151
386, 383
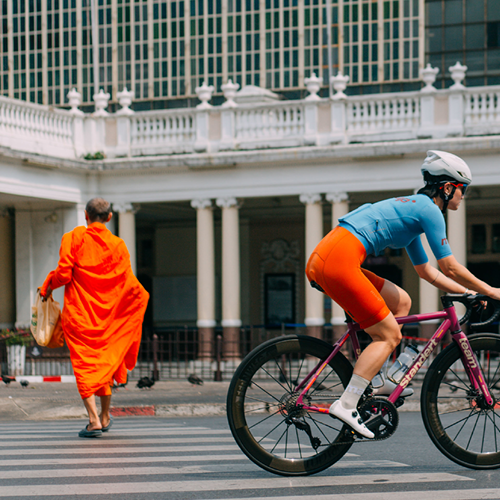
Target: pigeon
145, 383
194, 379
119, 386
24, 383
7, 380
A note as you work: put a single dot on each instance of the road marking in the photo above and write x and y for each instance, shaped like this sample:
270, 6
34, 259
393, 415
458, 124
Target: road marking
98, 448
475, 494
109, 440
152, 431
14, 462
228, 485
191, 469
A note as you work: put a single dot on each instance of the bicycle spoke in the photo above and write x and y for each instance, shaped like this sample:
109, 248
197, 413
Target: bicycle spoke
279, 439
263, 420
268, 393
459, 379
283, 375
458, 421
472, 433
454, 411
298, 441
319, 429
456, 387
271, 431
494, 424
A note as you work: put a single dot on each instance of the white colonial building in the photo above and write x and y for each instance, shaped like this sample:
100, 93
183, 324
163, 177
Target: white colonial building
220, 206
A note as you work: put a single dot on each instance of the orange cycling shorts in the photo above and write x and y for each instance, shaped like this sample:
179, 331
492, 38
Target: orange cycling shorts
335, 265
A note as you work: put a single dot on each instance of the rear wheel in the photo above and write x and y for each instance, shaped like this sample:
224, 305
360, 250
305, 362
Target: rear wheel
268, 426
457, 418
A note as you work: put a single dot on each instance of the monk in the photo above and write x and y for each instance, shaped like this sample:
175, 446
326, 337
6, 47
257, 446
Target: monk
104, 306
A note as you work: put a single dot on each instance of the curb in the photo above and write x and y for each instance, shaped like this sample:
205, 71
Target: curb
36, 379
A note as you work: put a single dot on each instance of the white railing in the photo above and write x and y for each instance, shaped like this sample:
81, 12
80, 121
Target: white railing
162, 132
430, 113
34, 128
269, 124
482, 110
376, 114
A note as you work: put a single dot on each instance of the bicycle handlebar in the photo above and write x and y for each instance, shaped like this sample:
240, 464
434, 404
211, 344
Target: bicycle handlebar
472, 302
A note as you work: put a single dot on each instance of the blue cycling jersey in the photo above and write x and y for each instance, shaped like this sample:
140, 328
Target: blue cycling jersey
398, 223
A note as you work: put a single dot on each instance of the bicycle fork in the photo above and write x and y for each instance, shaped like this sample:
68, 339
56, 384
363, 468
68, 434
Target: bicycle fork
472, 366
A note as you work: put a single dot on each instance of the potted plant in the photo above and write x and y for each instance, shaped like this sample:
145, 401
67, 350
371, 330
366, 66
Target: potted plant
16, 342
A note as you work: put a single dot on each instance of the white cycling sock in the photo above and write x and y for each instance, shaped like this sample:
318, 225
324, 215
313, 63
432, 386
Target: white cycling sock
353, 392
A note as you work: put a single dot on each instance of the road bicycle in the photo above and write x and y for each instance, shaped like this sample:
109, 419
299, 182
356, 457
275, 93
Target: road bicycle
278, 399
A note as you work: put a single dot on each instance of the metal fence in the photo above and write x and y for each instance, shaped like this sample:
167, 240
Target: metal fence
175, 353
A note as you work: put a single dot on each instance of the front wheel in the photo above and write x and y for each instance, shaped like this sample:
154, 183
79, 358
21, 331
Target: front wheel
456, 417
269, 428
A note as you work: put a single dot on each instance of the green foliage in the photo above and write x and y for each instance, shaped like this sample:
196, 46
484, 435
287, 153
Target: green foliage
95, 156
16, 337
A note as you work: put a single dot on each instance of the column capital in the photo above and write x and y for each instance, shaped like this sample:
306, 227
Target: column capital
124, 207
338, 197
230, 202
310, 198
201, 203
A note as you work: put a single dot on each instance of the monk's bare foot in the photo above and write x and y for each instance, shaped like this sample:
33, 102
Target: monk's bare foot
96, 426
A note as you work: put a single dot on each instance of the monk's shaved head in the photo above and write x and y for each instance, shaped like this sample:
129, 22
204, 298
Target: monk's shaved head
98, 210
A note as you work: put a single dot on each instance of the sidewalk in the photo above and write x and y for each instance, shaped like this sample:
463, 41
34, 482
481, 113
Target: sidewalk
47, 401
176, 398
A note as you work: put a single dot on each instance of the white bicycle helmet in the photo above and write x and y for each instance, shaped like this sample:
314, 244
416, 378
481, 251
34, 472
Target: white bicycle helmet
440, 164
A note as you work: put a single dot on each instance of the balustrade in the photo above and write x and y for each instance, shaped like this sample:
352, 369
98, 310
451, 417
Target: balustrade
172, 132
35, 128
457, 111
279, 122
482, 111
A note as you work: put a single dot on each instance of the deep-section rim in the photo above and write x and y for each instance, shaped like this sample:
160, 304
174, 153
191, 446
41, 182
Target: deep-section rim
430, 414
236, 415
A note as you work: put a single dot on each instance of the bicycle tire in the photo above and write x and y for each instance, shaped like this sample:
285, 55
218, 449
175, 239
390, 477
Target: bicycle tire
262, 414
456, 418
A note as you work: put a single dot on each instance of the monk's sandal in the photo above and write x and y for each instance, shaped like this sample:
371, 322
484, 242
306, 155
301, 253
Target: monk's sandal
351, 418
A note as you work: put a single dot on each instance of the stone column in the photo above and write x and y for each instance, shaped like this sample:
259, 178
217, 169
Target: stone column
429, 295
126, 229
205, 276
315, 310
340, 207
25, 255
457, 238
231, 320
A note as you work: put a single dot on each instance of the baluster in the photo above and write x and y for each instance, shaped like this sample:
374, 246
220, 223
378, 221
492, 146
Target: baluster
491, 107
476, 111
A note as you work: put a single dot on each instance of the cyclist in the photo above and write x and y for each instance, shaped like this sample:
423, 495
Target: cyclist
335, 267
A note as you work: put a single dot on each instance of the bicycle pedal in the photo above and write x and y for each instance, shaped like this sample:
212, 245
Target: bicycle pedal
399, 402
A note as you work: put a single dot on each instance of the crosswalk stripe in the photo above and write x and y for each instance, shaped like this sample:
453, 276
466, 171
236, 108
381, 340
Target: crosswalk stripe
151, 430
111, 440
14, 462
218, 485
464, 494
98, 449
190, 469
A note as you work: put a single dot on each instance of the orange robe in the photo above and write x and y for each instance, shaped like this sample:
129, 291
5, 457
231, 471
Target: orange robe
104, 306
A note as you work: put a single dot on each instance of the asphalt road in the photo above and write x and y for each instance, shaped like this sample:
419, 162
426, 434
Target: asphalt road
197, 459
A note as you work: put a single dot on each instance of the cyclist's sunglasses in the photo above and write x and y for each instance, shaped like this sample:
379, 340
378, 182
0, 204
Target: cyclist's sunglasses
462, 187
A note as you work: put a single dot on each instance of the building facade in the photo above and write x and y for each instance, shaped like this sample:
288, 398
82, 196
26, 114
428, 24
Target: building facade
220, 206
221, 202
163, 50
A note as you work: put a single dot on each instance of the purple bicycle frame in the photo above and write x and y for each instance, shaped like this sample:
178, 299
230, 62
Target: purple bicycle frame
450, 322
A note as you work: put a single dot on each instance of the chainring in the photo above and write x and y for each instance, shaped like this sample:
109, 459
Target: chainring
380, 416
